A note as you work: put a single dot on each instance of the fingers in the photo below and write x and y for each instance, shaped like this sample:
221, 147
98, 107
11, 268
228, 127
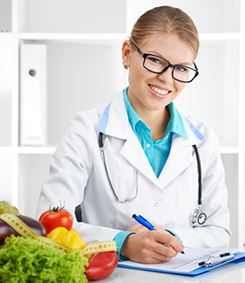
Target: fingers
151, 247
166, 238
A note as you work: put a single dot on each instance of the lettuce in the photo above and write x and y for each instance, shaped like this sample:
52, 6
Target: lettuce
27, 260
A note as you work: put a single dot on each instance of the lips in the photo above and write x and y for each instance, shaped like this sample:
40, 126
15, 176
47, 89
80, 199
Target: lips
158, 90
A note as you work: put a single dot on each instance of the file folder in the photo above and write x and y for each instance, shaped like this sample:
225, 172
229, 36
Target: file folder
33, 94
176, 267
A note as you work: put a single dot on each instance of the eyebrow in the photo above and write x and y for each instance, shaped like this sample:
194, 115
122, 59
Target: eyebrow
159, 55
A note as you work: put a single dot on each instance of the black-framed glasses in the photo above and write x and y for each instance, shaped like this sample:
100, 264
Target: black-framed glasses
159, 65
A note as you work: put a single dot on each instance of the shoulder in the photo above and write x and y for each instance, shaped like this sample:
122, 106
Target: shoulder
89, 118
204, 128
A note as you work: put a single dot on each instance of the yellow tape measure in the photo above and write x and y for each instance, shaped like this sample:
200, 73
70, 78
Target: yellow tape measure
26, 232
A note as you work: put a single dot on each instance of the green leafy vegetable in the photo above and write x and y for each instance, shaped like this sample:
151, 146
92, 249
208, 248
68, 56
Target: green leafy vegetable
27, 260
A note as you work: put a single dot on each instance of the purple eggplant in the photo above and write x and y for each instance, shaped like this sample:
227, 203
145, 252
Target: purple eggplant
6, 230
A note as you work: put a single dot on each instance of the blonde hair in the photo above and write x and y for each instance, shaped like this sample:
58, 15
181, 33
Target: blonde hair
166, 19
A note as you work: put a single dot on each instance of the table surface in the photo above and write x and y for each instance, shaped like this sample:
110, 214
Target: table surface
230, 273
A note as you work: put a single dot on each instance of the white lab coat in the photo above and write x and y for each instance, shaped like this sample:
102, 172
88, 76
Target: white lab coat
77, 176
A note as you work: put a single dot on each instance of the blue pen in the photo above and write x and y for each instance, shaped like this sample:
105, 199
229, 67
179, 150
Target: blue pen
143, 221
148, 225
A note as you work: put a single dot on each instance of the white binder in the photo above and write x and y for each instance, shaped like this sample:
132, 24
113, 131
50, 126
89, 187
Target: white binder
33, 94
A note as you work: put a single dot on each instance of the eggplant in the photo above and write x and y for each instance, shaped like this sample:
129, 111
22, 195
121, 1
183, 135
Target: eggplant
6, 230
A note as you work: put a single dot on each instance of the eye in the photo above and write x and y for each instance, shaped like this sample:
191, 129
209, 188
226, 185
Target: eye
181, 69
154, 60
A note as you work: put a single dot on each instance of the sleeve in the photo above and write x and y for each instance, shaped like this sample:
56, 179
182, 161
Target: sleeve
119, 239
215, 233
70, 168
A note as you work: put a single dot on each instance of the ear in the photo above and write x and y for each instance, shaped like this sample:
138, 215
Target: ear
126, 53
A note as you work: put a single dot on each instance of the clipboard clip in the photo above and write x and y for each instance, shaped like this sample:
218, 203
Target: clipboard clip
221, 258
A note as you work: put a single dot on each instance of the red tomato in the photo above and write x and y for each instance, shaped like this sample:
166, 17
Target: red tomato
54, 218
101, 265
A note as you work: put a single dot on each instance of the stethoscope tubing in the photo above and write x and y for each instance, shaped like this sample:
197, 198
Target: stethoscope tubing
199, 199
195, 214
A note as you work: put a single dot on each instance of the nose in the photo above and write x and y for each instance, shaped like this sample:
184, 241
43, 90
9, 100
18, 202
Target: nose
167, 75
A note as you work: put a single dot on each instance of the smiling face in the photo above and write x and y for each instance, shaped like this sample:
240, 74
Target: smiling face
153, 92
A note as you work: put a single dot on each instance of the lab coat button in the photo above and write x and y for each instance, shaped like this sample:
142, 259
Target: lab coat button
147, 145
156, 204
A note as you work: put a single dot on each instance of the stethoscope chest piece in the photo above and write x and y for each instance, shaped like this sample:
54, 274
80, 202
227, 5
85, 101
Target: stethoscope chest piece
198, 216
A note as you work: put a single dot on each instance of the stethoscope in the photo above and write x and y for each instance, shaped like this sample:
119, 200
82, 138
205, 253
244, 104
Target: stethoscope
196, 217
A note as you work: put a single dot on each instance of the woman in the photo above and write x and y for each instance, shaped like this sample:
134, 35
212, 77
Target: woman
149, 165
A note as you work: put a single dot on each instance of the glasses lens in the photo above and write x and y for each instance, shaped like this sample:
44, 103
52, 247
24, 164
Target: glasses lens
183, 73
155, 64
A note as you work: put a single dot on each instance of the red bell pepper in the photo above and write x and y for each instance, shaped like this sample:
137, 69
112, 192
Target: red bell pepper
101, 265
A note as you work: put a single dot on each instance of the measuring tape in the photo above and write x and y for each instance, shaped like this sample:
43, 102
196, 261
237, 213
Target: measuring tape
26, 232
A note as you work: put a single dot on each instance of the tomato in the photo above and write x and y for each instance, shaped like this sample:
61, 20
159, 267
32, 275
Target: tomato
101, 265
56, 217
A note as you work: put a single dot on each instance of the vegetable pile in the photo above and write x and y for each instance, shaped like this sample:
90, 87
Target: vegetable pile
50, 250
26, 260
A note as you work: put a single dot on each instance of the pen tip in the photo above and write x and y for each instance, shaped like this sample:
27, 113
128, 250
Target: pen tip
134, 215
183, 252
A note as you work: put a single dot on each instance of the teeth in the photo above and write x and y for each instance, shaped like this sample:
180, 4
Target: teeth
158, 90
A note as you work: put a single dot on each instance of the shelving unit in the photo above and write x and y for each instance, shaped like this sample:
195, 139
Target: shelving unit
86, 32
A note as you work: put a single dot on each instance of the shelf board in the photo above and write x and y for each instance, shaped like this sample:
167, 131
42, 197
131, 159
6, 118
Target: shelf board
220, 36
110, 36
77, 37
5, 149
229, 149
36, 150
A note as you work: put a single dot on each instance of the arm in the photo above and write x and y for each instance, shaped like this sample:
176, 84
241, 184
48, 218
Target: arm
70, 170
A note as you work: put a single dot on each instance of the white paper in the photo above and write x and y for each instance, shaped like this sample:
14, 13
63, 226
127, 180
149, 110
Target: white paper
182, 262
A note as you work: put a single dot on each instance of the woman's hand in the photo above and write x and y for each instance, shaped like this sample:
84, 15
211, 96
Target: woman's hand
150, 246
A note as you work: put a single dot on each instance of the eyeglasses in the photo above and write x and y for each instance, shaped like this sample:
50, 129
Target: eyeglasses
159, 65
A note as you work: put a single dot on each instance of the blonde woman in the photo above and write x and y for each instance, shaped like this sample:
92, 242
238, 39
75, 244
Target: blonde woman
139, 154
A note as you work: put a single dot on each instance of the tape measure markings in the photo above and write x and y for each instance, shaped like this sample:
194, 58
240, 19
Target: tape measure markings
26, 232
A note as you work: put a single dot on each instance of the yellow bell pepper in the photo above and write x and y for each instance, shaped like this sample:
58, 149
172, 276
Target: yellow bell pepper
71, 238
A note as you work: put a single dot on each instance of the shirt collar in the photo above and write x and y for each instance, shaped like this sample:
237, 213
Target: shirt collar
175, 125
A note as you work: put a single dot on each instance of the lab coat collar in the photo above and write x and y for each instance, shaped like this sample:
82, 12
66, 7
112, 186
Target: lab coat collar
181, 153
194, 135
114, 122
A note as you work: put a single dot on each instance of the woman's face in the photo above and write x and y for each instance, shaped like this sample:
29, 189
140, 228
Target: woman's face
149, 91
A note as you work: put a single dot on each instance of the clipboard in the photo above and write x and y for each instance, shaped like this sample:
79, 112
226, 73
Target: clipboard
239, 257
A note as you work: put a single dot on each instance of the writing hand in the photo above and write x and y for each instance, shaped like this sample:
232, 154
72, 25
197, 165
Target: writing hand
150, 246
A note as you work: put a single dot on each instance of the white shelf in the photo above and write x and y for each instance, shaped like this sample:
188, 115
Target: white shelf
229, 150
77, 37
220, 36
96, 29
81, 37
36, 150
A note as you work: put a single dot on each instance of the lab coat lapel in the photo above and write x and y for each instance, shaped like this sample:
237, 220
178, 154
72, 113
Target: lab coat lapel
181, 153
134, 153
179, 159
114, 122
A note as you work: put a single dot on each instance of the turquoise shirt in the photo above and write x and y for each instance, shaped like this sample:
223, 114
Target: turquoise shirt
157, 151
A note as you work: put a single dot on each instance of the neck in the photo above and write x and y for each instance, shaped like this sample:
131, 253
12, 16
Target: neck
156, 120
